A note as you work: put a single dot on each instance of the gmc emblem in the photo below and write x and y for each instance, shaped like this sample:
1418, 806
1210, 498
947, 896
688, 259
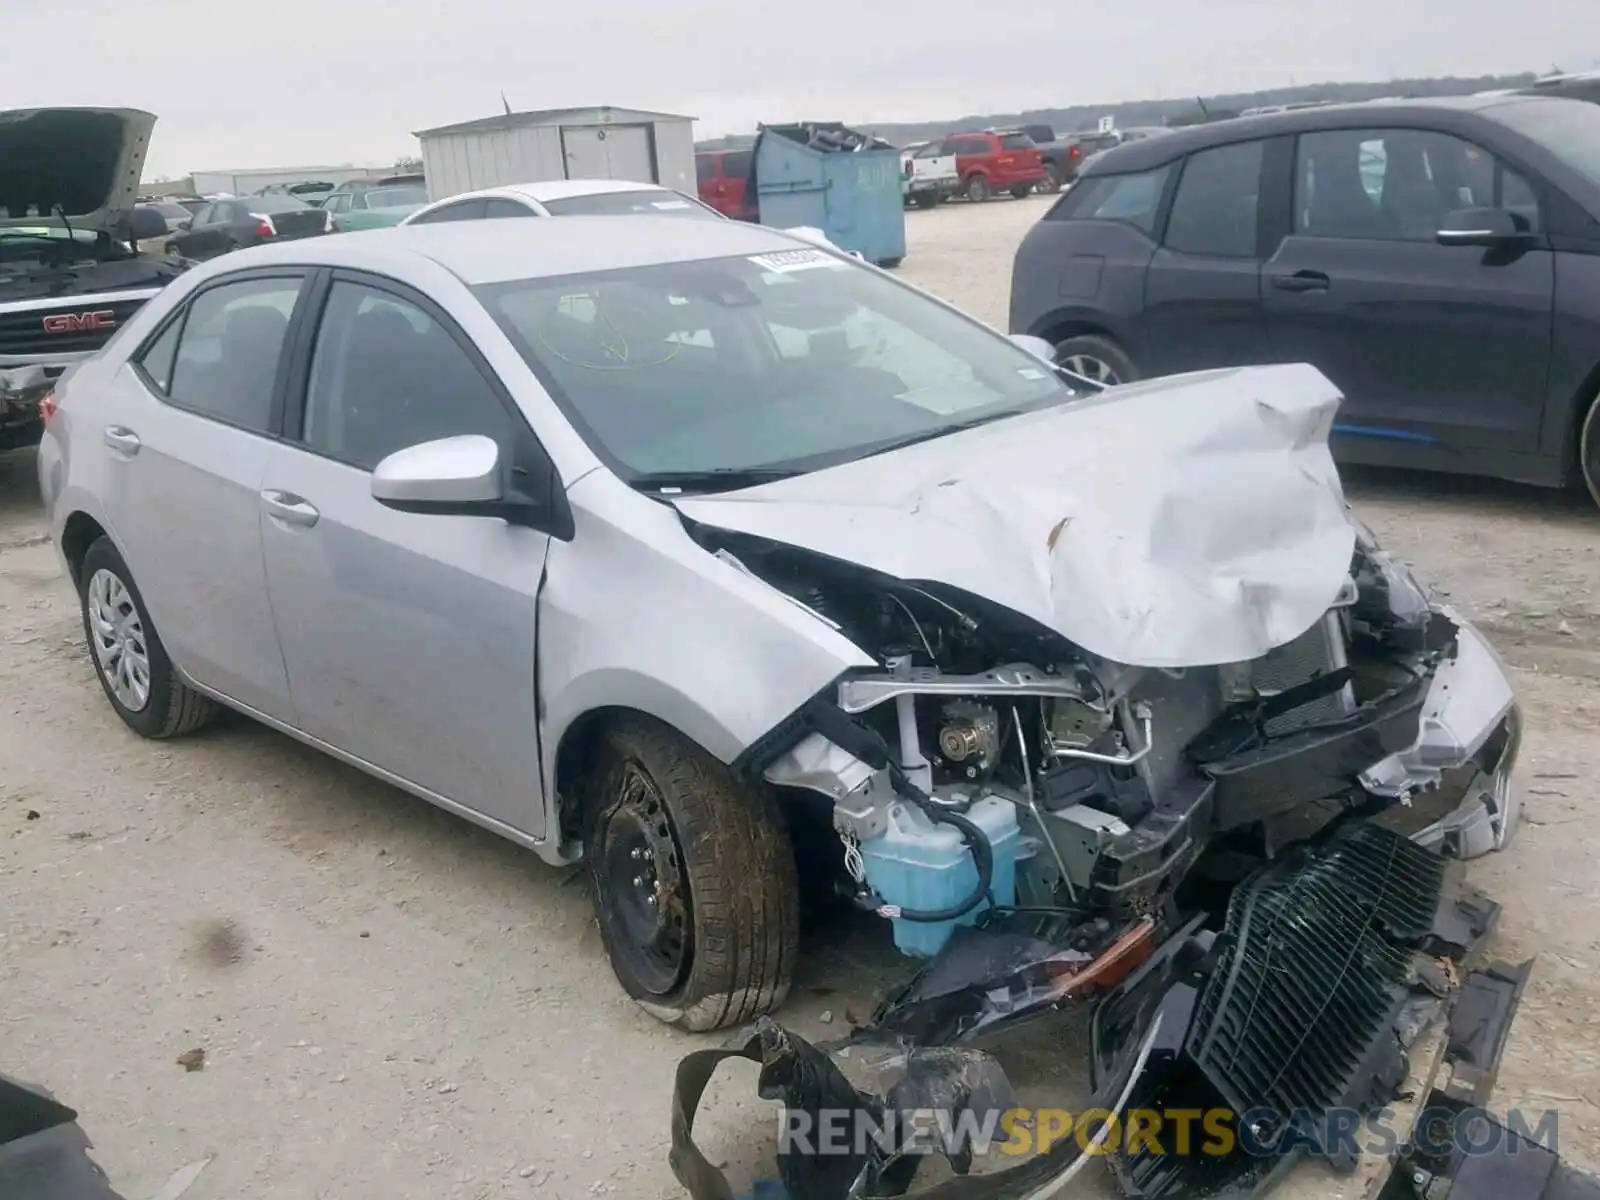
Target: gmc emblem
82, 322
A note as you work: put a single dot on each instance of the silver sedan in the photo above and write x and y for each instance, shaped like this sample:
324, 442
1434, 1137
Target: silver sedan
721, 560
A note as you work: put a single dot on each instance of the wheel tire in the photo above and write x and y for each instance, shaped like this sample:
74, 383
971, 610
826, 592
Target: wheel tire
925, 199
1022, 191
737, 924
106, 590
1098, 357
1589, 450
1051, 183
889, 264
977, 189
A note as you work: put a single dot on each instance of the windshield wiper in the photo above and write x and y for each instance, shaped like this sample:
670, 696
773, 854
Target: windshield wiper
928, 435
715, 479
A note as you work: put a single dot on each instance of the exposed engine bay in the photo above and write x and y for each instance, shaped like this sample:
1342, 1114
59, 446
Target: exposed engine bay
1244, 868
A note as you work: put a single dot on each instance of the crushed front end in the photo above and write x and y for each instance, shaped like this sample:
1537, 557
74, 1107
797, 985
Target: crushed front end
1246, 870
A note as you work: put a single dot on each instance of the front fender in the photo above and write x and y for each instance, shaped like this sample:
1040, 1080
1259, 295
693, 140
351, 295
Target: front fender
635, 615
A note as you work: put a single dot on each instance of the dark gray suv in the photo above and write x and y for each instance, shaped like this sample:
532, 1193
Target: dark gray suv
1439, 260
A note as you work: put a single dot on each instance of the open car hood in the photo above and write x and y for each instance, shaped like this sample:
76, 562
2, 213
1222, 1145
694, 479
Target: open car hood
1187, 521
85, 161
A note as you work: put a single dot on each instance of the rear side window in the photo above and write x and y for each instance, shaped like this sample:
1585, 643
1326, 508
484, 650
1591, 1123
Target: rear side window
705, 169
467, 210
736, 164
1016, 141
226, 366
1214, 211
1132, 199
497, 207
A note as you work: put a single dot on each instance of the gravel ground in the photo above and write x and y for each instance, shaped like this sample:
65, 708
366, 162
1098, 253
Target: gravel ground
392, 1003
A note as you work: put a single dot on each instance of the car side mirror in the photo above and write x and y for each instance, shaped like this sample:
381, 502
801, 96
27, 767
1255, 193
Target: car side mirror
186, 223
465, 476
1492, 228
1035, 346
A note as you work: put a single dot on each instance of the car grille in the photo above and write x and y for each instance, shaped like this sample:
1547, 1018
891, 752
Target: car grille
1312, 971
1318, 651
26, 332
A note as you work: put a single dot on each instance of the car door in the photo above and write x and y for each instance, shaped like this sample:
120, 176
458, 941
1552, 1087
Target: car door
1202, 303
1429, 343
202, 240
199, 404
409, 639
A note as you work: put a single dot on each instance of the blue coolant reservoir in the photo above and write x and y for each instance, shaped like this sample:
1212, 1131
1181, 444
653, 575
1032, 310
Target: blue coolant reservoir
922, 864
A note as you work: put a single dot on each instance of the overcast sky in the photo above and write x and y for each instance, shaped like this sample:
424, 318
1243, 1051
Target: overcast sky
295, 82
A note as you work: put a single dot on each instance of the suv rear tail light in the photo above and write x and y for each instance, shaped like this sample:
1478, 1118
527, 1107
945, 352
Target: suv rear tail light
1075, 152
266, 228
48, 405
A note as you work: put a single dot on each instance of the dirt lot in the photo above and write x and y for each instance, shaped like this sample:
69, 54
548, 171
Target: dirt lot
393, 1004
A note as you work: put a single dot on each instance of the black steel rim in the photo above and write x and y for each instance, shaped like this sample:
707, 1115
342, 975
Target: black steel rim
643, 895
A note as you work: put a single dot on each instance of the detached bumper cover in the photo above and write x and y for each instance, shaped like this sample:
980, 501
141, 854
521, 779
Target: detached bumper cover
1470, 725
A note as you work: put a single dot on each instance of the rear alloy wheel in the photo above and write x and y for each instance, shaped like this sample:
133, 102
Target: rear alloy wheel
129, 659
1051, 183
1096, 358
1022, 191
977, 187
694, 881
1589, 450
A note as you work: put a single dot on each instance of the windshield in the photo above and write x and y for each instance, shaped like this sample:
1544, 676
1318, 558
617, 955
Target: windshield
397, 197
1571, 129
790, 362
611, 204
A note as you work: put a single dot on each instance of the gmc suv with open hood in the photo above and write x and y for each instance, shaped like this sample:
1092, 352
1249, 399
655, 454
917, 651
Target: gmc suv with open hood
69, 274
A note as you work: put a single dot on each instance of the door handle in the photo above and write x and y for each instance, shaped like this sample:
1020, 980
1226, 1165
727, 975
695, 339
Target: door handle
289, 508
1302, 281
122, 439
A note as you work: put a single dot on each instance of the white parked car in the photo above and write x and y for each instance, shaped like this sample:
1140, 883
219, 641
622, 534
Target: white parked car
563, 198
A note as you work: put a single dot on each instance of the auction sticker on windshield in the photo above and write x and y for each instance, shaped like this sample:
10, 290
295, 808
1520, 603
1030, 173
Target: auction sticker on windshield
784, 261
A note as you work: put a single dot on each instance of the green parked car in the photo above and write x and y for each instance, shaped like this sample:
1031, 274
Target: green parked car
375, 204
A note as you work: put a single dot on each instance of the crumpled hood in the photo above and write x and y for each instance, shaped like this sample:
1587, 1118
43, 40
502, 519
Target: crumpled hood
1187, 521
87, 161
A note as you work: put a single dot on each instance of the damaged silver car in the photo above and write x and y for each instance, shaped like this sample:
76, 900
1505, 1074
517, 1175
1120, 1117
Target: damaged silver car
653, 543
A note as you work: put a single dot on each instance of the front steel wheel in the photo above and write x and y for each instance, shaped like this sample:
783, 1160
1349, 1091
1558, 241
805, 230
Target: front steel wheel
694, 880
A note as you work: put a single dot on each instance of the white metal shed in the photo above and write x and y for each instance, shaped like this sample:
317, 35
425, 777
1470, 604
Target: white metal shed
560, 143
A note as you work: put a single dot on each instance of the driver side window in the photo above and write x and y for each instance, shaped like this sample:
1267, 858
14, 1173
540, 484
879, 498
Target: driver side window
386, 375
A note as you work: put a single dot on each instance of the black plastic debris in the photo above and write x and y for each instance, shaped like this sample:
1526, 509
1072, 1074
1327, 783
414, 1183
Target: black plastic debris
1304, 1007
44, 1154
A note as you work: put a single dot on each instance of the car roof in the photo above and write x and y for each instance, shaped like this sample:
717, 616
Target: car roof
563, 189
1143, 154
480, 252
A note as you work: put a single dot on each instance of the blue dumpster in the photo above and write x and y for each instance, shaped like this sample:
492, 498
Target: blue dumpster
832, 178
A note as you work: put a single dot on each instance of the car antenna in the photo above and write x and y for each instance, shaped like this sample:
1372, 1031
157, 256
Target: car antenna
1204, 111
62, 213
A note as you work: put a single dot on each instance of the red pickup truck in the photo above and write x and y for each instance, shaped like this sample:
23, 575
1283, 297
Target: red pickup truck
724, 182
996, 162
